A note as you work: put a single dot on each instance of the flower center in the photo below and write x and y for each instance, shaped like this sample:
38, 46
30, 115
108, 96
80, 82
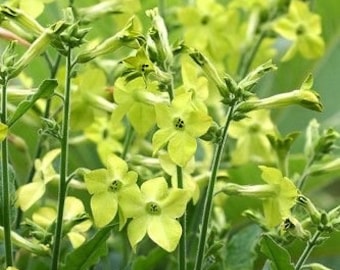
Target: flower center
115, 186
153, 209
300, 30
254, 128
179, 123
205, 19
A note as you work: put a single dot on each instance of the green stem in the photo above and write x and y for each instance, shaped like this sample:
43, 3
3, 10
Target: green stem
183, 241
248, 57
305, 173
63, 165
308, 249
127, 141
210, 190
6, 203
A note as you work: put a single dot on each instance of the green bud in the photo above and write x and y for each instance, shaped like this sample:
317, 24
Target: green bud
7, 61
310, 207
212, 74
159, 35
213, 134
326, 167
36, 48
97, 11
22, 19
254, 76
125, 37
257, 191
295, 228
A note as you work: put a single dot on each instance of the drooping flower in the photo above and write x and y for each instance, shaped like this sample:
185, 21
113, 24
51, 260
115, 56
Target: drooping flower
303, 29
179, 125
252, 141
279, 195
278, 207
106, 186
44, 173
75, 220
154, 211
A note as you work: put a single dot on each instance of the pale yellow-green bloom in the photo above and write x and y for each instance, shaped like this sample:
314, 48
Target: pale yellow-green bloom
303, 29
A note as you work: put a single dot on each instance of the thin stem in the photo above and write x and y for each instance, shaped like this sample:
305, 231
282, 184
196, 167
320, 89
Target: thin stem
248, 57
5, 185
304, 175
39, 148
219, 150
308, 249
183, 241
63, 164
128, 140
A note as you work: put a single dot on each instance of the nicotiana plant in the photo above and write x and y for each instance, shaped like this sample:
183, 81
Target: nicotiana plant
135, 135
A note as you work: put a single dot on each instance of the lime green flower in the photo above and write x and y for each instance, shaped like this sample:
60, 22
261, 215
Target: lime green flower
204, 27
106, 186
303, 28
305, 97
33, 7
252, 142
106, 136
180, 125
154, 211
279, 195
277, 207
136, 100
74, 215
28, 194
188, 181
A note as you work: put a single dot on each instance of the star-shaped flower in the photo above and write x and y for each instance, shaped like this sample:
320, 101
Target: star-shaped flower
303, 28
154, 211
179, 125
106, 186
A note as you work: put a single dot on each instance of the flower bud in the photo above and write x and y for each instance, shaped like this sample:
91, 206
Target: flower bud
315, 266
36, 48
212, 74
327, 167
126, 37
310, 207
22, 19
295, 228
258, 191
159, 35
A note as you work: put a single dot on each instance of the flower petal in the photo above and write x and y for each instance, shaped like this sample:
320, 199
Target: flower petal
137, 230
116, 167
271, 175
181, 148
198, 123
73, 207
161, 137
163, 116
30, 193
96, 181
104, 208
175, 203
165, 232
131, 202
130, 178
155, 189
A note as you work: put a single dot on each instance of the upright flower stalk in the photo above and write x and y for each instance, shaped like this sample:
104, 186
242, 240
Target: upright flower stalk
210, 191
5, 185
63, 163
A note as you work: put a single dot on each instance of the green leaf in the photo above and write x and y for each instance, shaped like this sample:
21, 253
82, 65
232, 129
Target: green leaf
89, 253
240, 251
45, 90
154, 258
279, 256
